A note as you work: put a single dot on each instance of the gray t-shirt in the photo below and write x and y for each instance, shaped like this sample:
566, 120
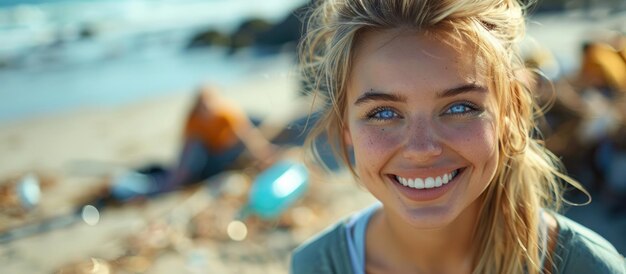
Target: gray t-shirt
337, 250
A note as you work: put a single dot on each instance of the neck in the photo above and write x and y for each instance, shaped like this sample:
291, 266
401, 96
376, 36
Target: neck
441, 250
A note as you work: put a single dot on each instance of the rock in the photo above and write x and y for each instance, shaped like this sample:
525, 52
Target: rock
247, 33
209, 38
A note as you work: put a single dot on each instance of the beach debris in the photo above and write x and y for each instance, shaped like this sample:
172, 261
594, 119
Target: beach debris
20, 196
29, 191
124, 264
212, 214
91, 266
247, 207
273, 201
90, 215
237, 230
277, 188
129, 184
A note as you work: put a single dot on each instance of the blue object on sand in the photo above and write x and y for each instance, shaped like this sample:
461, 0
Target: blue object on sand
28, 191
277, 188
129, 185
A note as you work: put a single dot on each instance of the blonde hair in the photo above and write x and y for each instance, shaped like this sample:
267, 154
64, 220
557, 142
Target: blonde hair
528, 177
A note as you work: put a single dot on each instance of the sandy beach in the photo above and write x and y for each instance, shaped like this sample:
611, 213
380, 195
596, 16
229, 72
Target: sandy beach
78, 150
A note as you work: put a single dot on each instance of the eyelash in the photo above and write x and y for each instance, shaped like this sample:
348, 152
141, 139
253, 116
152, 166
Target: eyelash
377, 111
470, 108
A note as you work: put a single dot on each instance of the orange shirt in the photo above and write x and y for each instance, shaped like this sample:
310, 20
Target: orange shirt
603, 66
216, 127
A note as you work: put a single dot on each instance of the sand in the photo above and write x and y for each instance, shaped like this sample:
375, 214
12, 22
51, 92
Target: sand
78, 150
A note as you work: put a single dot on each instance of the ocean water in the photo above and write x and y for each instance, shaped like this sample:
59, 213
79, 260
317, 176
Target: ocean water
34, 92
137, 50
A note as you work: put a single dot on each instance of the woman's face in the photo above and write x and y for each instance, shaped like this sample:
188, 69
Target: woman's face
422, 123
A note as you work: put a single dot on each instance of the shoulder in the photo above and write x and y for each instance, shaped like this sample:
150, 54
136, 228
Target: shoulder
326, 252
580, 250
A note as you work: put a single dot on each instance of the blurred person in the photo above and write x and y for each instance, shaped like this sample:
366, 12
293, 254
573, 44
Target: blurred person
216, 133
564, 112
217, 136
425, 95
604, 67
602, 80
586, 111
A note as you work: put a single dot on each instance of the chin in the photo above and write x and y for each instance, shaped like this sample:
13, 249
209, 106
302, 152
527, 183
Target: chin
432, 217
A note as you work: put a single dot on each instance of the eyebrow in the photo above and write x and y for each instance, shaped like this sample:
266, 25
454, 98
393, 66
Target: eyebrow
373, 95
461, 89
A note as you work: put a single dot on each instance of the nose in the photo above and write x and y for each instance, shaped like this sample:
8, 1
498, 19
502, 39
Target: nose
422, 141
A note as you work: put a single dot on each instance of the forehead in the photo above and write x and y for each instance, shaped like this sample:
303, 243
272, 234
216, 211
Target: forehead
400, 59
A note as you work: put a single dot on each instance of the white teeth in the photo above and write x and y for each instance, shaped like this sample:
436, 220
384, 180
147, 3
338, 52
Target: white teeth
402, 181
438, 181
419, 183
430, 182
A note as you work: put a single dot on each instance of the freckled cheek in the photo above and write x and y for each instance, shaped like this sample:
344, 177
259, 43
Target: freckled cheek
473, 140
373, 145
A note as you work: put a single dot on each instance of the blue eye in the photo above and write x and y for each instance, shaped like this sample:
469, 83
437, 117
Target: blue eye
382, 114
460, 109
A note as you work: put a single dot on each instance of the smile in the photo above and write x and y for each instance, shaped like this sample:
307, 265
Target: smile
428, 182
